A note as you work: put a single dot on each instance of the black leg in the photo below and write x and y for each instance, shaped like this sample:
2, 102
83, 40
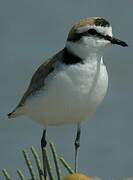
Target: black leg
77, 145
43, 145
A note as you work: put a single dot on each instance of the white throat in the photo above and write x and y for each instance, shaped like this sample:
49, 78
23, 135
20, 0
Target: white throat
83, 52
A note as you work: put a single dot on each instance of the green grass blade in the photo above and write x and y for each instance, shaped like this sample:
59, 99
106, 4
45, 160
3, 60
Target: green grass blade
38, 163
65, 164
6, 174
29, 165
56, 161
20, 174
48, 165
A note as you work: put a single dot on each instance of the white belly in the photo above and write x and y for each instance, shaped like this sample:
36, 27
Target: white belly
70, 95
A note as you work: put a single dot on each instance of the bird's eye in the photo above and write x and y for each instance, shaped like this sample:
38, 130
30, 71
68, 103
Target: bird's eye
92, 31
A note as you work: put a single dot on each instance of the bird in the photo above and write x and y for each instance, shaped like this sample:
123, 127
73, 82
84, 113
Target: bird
69, 86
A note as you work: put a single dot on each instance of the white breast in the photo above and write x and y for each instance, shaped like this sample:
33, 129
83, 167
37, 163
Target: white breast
71, 94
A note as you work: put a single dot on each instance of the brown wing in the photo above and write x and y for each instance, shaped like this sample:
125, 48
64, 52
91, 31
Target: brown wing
38, 79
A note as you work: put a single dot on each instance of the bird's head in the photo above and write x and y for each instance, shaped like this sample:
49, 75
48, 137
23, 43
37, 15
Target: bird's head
91, 34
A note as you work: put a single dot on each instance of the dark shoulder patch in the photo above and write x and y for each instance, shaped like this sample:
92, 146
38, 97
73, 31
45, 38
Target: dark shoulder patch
102, 22
70, 58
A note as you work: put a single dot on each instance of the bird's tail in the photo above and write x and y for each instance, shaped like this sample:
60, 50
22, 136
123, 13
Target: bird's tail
16, 112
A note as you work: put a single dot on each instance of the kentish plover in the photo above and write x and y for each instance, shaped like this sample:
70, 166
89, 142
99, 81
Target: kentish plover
69, 86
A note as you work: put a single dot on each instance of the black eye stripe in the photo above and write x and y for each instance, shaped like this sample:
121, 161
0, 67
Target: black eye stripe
92, 32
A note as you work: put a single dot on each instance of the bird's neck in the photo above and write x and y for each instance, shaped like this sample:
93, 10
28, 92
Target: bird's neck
83, 52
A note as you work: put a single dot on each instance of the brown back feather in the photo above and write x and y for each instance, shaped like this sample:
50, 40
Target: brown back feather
38, 79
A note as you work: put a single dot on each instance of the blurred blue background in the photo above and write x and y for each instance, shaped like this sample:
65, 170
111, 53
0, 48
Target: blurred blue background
31, 30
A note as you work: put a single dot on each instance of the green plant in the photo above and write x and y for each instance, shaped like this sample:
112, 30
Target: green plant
40, 175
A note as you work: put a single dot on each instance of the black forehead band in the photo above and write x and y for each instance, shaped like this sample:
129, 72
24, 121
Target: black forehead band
102, 22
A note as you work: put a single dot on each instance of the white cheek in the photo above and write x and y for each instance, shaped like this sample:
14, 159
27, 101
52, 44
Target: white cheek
88, 41
102, 42
95, 42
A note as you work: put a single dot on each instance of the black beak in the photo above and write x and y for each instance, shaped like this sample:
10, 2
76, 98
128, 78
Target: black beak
116, 41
